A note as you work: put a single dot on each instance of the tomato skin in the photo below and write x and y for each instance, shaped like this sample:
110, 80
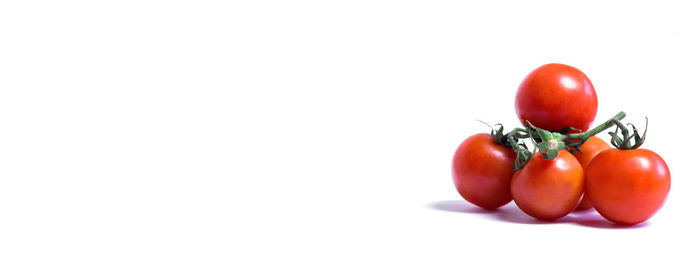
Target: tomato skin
481, 171
548, 190
589, 150
556, 96
627, 186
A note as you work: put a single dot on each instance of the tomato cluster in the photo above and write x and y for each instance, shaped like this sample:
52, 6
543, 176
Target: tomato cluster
570, 169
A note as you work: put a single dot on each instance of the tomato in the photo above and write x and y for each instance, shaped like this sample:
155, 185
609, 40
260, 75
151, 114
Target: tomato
627, 186
481, 170
589, 150
556, 96
548, 190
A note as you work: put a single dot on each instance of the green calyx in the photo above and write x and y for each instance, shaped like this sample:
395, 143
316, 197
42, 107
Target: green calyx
628, 142
497, 134
514, 140
550, 144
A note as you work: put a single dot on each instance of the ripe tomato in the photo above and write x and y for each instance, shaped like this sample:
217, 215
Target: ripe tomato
548, 190
481, 170
556, 96
627, 186
589, 150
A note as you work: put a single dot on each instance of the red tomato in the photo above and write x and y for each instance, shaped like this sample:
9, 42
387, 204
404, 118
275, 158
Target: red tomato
481, 170
556, 96
627, 186
590, 149
548, 190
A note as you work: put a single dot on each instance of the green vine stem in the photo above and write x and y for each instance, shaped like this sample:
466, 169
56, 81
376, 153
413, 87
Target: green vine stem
615, 120
520, 148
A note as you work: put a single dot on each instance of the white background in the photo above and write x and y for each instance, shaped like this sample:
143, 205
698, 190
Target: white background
314, 126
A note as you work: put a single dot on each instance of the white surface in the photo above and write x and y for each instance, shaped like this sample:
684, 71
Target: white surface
313, 126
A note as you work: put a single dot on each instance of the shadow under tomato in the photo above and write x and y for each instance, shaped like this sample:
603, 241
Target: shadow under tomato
511, 213
599, 222
459, 206
591, 218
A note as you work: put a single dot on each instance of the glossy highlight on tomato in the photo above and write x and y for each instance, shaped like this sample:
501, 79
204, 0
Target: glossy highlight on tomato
548, 190
555, 96
481, 171
589, 150
627, 186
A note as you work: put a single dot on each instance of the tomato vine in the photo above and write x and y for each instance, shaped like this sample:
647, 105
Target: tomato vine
549, 143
